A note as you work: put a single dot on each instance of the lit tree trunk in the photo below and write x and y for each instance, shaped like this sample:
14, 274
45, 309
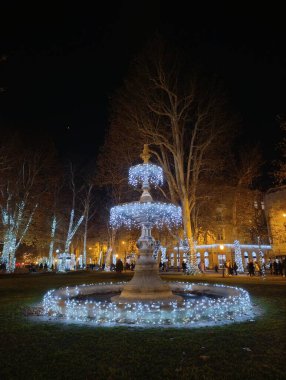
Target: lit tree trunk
84, 241
12, 240
73, 226
9, 250
107, 259
238, 256
191, 261
87, 209
52, 242
71, 232
108, 256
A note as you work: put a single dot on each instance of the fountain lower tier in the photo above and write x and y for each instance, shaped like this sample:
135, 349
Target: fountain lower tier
202, 305
146, 284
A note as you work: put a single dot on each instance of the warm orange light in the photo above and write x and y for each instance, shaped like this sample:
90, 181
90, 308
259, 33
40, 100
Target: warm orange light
221, 247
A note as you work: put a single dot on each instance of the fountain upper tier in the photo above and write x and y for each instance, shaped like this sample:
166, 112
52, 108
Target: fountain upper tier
135, 214
145, 173
156, 214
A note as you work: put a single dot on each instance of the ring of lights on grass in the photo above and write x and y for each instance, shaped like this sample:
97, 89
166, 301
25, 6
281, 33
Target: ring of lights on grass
216, 305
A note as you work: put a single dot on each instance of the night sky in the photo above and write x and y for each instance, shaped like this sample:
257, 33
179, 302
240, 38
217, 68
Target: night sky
60, 66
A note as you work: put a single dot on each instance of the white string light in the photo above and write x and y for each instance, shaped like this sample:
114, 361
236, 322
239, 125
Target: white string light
244, 246
156, 213
238, 256
221, 305
145, 173
217, 305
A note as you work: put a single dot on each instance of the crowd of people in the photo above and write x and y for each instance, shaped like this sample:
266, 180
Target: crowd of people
230, 269
120, 267
275, 267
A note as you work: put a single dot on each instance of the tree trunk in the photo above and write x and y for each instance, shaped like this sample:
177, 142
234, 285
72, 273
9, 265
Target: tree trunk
192, 267
84, 240
52, 242
9, 251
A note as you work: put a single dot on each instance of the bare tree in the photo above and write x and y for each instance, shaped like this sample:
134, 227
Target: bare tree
117, 155
53, 224
74, 221
89, 213
21, 190
184, 123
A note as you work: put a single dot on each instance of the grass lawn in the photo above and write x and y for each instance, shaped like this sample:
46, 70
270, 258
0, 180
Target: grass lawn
47, 350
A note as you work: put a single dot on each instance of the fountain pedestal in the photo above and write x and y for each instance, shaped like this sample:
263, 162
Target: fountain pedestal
146, 284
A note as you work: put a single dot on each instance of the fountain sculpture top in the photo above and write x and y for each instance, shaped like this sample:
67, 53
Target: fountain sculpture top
145, 173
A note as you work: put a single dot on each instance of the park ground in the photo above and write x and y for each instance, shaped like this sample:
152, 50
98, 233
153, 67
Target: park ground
31, 349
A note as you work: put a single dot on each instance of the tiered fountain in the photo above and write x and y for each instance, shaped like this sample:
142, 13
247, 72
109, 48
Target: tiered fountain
146, 300
146, 284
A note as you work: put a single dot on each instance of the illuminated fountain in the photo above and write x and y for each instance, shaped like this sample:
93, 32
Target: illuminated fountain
146, 300
146, 283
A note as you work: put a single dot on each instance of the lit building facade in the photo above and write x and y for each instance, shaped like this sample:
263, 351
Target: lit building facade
275, 210
235, 230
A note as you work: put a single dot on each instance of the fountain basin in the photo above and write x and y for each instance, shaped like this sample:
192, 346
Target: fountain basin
197, 305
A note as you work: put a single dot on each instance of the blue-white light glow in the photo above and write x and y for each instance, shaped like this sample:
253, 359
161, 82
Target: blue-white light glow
145, 173
156, 213
230, 304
